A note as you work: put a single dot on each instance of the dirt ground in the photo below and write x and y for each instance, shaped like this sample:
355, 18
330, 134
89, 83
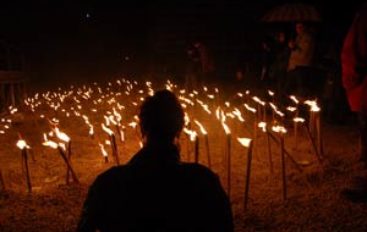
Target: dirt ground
313, 202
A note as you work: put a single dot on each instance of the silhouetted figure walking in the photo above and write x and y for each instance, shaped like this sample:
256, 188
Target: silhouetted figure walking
154, 191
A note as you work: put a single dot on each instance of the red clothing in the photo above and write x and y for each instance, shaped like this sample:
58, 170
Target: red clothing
354, 63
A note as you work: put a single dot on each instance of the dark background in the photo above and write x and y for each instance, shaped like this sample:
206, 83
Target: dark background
96, 39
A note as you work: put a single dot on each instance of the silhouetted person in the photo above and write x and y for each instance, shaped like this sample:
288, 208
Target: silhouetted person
154, 191
354, 70
300, 62
193, 68
278, 70
207, 63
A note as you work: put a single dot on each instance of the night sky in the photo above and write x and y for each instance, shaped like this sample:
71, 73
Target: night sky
92, 38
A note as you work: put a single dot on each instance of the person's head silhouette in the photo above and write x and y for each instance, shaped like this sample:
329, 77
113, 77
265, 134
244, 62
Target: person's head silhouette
161, 118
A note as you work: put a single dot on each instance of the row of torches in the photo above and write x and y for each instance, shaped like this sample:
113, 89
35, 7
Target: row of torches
112, 119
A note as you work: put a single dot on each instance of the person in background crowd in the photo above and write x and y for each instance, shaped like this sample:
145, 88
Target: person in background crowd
354, 72
300, 61
278, 69
207, 63
193, 68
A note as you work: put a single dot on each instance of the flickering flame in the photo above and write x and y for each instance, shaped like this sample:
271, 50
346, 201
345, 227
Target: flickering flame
280, 113
258, 100
238, 114
279, 129
210, 96
49, 143
91, 130
107, 120
240, 95
298, 119
246, 142
217, 112
262, 125
206, 108
248, 108
271, 93
313, 105
13, 110
62, 146
103, 150
191, 133
61, 135
227, 104
274, 107
294, 99
21, 144
226, 128
291, 109
186, 119
106, 129
133, 124
112, 119
202, 129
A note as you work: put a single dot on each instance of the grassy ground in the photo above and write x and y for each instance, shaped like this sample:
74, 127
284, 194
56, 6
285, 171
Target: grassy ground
313, 203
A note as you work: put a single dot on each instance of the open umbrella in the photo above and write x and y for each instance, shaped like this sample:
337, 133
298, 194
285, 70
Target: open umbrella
296, 12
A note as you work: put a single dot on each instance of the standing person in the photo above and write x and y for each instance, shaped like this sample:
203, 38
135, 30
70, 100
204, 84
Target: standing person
278, 69
193, 68
354, 72
267, 59
300, 60
207, 64
155, 191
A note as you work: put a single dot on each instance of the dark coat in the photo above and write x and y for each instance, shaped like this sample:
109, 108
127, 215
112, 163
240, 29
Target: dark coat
354, 63
156, 192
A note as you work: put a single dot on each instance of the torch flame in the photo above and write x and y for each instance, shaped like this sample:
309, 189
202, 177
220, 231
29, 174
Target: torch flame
313, 105
49, 143
291, 109
226, 128
191, 133
248, 108
238, 114
186, 119
61, 135
294, 99
262, 125
202, 129
21, 144
258, 100
246, 142
103, 150
106, 129
133, 124
279, 129
298, 119
91, 130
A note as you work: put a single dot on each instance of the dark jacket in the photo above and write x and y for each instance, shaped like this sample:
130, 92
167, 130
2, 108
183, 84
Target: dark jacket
354, 62
156, 192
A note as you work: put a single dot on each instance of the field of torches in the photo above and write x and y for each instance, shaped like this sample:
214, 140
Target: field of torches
71, 135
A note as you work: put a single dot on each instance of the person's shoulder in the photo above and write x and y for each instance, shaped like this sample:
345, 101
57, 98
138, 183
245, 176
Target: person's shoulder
111, 175
197, 170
